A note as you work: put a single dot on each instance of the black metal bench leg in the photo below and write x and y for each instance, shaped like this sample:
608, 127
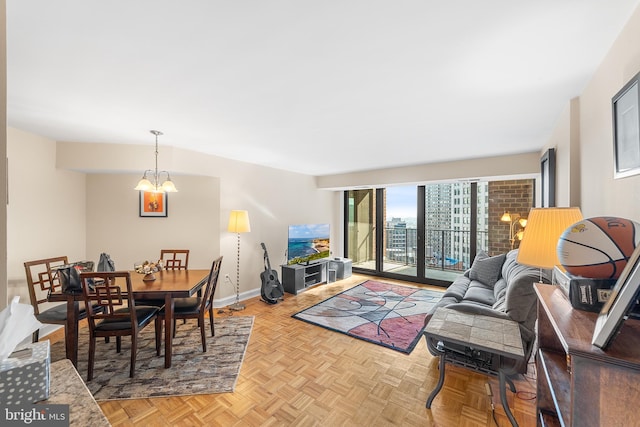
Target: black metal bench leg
440, 382
509, 382
503, 396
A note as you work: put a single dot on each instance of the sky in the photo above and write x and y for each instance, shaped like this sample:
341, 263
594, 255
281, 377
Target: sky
309, 231
402, 201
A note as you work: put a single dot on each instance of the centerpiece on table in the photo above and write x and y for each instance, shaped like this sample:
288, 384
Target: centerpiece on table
148, 268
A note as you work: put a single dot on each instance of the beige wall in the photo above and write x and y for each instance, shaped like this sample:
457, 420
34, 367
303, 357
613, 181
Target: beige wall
565, 139
115, 227
3, 153
592, 161
209, 188
499, 167
46, 214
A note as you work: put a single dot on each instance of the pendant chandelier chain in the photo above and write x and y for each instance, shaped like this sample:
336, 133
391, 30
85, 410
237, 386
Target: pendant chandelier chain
145, 185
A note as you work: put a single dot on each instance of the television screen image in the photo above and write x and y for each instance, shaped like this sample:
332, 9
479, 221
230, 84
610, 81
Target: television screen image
307, 242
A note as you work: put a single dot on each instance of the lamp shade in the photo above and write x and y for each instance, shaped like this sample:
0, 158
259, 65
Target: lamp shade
144, 184
169, 187
544, 227
239, 222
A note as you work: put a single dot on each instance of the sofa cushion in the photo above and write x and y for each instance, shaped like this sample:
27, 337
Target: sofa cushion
458, 288
487, 269
500, 292
480, 292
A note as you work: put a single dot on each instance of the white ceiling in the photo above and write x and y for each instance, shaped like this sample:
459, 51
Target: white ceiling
317, 87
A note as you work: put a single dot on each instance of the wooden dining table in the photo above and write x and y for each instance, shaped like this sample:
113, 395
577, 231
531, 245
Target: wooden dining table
168, 285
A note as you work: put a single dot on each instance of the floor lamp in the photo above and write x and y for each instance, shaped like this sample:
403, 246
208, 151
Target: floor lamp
540, 239
517, 225
238, 223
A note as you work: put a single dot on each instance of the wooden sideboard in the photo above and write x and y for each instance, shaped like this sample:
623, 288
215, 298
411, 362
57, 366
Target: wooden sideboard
579, 384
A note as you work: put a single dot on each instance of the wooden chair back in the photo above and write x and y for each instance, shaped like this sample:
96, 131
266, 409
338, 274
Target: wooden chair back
110, 313
106, 292
41, 280
175, 259
212, 283
205, 305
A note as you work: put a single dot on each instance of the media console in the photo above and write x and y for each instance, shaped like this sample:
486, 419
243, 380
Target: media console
298, 277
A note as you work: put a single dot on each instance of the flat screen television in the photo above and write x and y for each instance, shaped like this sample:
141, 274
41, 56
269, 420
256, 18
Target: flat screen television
623, 297
307, 243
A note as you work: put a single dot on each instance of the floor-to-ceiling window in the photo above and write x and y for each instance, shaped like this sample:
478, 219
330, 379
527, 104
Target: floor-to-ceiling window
456, 226
400, 230
361, 227
430, 233
447, 229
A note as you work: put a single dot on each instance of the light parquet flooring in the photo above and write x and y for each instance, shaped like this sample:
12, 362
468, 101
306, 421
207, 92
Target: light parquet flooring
297, 374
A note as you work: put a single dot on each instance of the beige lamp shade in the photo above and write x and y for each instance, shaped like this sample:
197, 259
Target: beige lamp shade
544, 227
239, 222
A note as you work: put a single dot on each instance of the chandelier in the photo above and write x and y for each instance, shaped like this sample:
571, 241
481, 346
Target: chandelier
152, 183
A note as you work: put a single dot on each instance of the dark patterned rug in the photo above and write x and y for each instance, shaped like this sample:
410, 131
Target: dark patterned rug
191, 372
382, 313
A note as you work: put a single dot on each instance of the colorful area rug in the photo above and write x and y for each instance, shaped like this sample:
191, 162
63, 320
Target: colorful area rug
381, 313
191, 372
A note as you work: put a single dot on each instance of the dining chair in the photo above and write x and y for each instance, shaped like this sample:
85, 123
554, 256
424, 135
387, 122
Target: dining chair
41, 281
175, 259
118, 315
198, 307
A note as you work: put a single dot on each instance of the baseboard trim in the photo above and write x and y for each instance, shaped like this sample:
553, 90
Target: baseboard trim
223, 302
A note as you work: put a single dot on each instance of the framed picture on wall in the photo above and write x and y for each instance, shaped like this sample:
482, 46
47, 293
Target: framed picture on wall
626, 129
548, 178
153, 204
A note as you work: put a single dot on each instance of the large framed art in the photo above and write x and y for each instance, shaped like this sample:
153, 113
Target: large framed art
153, 204
626, 129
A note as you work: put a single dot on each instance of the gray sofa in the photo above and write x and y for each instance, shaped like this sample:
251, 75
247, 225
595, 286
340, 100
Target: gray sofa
494, 286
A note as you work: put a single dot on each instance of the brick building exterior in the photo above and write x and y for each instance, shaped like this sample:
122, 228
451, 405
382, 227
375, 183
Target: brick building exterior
516, 197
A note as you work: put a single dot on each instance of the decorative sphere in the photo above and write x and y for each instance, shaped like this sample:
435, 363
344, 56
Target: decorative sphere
598, 247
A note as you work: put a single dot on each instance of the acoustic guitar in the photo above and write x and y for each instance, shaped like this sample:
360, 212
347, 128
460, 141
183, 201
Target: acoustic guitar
272, 289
